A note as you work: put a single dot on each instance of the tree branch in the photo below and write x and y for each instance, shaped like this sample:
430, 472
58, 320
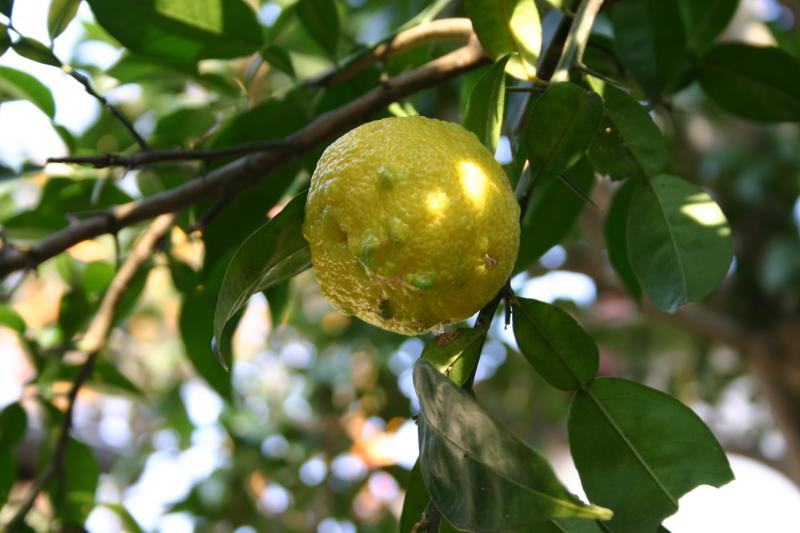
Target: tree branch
246, 170
91, 346
87, 85
159, 156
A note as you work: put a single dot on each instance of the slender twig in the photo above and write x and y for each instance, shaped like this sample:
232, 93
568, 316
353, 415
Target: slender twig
87, 85
160, 156
579, 33
248, 169
91, 345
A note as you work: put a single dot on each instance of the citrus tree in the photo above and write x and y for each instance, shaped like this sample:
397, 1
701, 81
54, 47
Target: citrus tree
596, 111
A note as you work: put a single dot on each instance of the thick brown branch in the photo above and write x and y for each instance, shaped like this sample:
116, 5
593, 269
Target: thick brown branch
459, 29
158, 156
91, 345
249, 168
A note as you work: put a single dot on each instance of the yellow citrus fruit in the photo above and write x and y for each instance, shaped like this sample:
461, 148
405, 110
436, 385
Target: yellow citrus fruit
412, 224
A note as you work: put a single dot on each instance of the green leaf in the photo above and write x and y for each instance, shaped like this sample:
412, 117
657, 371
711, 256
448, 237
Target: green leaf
629, 144
616, 233
182, 125
705, 20
8, 475
508, 27
107, 375
456, 353
181, 30
562, 125
679, 241
552, 213
554, 343
651, 41
321, 19
416, 500
196, 332
35, 51
274, 252
5, 39
279, 299
486, 104
479, 475
278, 58
18, 85
74, 313
13, 425
77, 483
755, 82
6, 6
97, 276
60, 14
638, 450
11, 319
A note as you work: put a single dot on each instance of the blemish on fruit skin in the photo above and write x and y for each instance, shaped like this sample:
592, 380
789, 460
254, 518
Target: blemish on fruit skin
489, 261
385, 309
420, 281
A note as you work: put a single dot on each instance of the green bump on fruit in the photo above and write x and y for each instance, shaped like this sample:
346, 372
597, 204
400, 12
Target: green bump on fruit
386, 176
420, 281
369, 245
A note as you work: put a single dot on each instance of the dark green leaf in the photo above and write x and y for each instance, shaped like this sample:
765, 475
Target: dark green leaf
455, 353
13, 425
321, 19
107, 375
278, 58
480, 476
11, 319
554, 343
552, 213
508, 27
486, 104
74, 313
639, 450
755, 82
679, 241
35, 51
6, 6
18, 85
181, 126
651, 41
278, 299
274, 252
563, 123
705, 20
616, 234
60, 14
5, 39
416, 500
196, 332
629, 144
181, 30
8, 475
77, 484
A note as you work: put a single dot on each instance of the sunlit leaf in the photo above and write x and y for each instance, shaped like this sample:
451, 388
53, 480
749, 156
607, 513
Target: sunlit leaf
11, 319
562, 125
679, 241
639, 450
182, 30
756, 82
18, 85
455, 353
273, 253
508, 27
486, 104
628, 144
554, 343
480, 476
651, 41
60, 14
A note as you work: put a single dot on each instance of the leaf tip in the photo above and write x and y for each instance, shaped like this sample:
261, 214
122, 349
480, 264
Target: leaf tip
215, 347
